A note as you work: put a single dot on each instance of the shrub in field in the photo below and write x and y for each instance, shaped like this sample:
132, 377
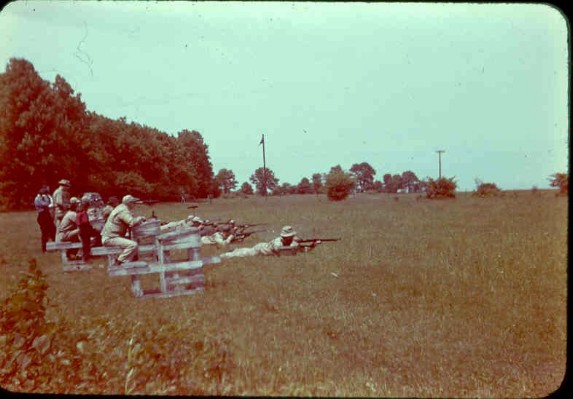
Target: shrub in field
560, 180
486, 190
339, 184
441, 188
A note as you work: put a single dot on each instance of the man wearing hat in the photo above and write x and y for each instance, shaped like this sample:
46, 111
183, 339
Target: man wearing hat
115, 229
287, 238
61, 199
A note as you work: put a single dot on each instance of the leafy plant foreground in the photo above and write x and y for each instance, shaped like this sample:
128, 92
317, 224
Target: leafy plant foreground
462, 298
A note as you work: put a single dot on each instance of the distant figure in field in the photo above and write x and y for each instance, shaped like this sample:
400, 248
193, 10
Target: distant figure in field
115, 229
61, 199
42, 203
287, 238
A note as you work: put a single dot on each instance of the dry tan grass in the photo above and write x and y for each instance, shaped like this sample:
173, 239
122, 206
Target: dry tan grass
453, 298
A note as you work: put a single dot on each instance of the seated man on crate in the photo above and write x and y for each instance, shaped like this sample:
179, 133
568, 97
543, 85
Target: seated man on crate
287, 238
68, 230
115, 229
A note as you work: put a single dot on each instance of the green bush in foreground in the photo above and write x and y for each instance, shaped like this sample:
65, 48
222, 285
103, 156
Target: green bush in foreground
40, 356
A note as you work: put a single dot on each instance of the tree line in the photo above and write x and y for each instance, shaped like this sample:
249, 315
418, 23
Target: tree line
360, 178
47, 134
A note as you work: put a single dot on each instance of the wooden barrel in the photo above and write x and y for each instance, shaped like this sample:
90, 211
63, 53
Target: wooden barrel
149, 228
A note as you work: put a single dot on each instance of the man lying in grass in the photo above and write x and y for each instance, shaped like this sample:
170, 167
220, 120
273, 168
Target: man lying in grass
287, 238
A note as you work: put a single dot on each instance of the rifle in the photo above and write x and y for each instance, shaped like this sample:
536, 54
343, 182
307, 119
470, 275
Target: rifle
242, 235
311, 243
244, 226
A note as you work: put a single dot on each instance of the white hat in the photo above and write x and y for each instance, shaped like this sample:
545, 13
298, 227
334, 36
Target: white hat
197, 219
74, 200
129, 199
64, 182
287, 231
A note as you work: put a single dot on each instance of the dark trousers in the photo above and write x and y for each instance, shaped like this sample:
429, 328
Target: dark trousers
86, 234
47, 228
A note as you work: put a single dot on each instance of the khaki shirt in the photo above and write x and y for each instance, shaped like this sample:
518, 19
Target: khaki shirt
106, 211
67, 225
176, 225
61, 199
118, 222
216, 239
272, 247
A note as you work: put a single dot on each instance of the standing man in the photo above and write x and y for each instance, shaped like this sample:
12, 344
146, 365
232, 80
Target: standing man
61, 199
115, 229
42, 203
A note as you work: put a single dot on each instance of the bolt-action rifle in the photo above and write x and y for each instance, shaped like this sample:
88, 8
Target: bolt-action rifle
309, 244
247, 225
239, 237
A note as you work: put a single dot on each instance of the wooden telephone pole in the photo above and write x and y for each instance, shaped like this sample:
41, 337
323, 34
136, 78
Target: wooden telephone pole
440, 162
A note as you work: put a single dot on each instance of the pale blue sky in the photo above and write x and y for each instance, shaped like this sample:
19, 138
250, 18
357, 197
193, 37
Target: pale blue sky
327, 83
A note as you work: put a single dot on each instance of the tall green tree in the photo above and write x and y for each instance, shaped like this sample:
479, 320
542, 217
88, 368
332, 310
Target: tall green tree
304, 186
392, 183
317, 185
41, 124
364, 175
198, 157
264, 181
410, 181
246, 188
226, 180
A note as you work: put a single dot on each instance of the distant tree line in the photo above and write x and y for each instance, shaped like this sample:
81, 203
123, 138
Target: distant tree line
361, 174
46, 134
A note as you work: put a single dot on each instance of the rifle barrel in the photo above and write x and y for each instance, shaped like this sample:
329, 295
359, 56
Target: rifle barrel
320, 239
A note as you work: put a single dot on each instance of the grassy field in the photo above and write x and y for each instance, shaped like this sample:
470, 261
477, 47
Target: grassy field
420, 298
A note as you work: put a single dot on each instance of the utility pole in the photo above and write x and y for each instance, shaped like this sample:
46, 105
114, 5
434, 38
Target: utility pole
264, 168
440, 162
